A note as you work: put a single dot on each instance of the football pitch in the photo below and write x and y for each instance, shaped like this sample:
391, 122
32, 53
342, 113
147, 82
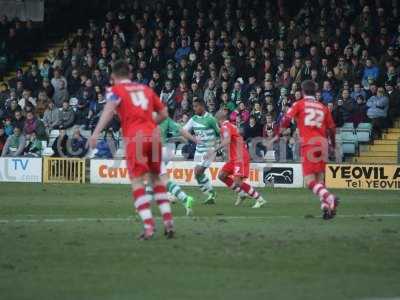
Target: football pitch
79, 242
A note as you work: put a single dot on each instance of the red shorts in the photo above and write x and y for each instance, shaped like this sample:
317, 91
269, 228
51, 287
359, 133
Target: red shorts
313, 160
143, 157
237, 168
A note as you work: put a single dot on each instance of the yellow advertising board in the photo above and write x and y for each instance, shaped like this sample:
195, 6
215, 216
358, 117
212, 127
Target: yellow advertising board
378, 177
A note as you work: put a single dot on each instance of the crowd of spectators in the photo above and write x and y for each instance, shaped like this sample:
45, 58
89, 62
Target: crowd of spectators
245, 57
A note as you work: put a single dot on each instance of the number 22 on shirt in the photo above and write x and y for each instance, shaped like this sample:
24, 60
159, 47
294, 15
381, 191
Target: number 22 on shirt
314, 117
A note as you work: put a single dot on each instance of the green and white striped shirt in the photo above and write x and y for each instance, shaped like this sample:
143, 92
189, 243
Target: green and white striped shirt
205, 129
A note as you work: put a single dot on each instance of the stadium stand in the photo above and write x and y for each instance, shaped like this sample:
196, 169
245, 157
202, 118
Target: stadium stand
246, 57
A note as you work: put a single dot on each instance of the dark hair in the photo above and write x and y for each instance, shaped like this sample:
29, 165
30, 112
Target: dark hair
199, 101
308, 87
120, 69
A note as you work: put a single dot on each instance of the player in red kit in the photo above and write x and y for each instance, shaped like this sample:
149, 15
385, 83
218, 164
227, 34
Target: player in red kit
135, 105
238, 166
316, 126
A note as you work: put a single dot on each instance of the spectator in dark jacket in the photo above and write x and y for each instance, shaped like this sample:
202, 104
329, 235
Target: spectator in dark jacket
78, 144
252, 129
60, 145
359, 114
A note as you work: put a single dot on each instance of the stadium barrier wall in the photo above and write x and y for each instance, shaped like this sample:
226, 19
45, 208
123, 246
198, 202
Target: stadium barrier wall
182, 172
369, 177
64, 170
20, 169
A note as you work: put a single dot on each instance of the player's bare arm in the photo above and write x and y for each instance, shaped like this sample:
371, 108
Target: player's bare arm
105, 118
161, 115
188, 136
225, 141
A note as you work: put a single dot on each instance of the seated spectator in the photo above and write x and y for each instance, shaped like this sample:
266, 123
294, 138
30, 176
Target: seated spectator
30, 123
18, 120
377, 111
82, 114
52, 117
183, 51
327, 94
78, 144
60, 145
8, 126
67, 116
41, 103
61, 95
3, 138
95, 109
15, 144
357, 91
27, 102
34, 147
371, 72
107, 146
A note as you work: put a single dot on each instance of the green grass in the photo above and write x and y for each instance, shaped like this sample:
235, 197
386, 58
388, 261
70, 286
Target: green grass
283, 251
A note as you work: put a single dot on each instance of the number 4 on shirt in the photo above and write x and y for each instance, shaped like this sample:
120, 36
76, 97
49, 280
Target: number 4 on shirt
139, 99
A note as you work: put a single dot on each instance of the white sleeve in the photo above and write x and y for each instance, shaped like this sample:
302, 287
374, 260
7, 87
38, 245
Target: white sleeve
189, 125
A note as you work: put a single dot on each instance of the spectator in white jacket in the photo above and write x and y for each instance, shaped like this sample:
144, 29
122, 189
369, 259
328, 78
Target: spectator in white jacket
378, 106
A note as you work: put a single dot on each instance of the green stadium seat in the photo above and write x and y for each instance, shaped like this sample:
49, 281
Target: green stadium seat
363, 132
349, 142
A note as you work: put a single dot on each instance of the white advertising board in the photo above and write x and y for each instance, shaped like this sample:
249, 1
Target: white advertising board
20, 169
182, 172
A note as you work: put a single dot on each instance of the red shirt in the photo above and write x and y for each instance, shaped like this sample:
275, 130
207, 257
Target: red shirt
313, 120
237, 146
136, 104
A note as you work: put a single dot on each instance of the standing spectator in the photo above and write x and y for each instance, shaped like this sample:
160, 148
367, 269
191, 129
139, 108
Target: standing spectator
67, 116
347, 105
394, 102
168, 97
377, 111
15, 144
252, 129
338, 112
359, 114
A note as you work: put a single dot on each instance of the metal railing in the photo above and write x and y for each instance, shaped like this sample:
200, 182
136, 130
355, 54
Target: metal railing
64, 170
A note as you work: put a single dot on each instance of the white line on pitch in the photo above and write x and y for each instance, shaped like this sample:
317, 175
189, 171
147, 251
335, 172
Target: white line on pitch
64, 220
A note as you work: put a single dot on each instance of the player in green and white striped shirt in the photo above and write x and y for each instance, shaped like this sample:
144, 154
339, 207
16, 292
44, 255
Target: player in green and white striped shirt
170, 130
206, 131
